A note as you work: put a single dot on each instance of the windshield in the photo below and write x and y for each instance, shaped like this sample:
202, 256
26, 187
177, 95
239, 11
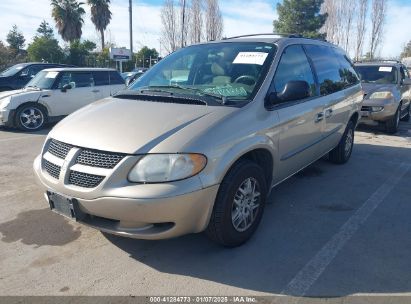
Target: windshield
13, 70
230, 71
43, 80
377, 74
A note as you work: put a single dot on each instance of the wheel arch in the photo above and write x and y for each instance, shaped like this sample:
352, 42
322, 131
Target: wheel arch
46, 112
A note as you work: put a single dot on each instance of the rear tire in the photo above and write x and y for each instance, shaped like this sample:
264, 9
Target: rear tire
392, 124
239, 205
342, 153
408, 115
30, 117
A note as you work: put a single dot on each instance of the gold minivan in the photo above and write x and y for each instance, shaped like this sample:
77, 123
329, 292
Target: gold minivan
197, 143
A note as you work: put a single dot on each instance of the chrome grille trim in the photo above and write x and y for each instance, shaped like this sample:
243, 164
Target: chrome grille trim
92, 158
52, 169
59, 149
85, 180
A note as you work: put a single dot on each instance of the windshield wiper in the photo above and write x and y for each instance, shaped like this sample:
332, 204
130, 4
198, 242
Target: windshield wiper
219, 97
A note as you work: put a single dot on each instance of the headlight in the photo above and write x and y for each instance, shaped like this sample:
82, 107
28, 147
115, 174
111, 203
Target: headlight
381, 95
377, 109
160, 168
4, 102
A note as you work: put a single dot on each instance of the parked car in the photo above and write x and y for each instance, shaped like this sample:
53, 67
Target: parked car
133, 78
17, 76
387, 93
55, 93
160, 159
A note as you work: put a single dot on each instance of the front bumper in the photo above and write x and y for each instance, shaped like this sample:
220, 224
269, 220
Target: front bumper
157, 217
369, 117
4, 117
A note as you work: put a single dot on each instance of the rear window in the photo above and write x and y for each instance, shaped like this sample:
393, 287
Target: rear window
101, 78
115, 78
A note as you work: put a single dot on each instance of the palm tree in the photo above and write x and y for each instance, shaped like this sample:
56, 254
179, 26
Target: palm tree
100, 16
68, 15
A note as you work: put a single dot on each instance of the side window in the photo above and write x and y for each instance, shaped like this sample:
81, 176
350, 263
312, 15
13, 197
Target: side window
115, 78
327, 68
293, 65
101, 78
31, 71
76, 79
407, 73
403, 76
347, 72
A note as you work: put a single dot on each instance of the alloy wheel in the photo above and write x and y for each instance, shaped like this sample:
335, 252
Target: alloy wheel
31, 118
246, 204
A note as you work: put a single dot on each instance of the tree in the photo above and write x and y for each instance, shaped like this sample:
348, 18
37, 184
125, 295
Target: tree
170, 25
15, 39
68, 15
100, 16
45, 49
196, 21
214, 20
45, 30
361, 28
406, 51
78, 51
300, 17
144, 55
5, 55
378, 15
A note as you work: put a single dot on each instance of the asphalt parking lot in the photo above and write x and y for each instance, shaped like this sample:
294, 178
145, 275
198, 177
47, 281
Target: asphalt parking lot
328, 231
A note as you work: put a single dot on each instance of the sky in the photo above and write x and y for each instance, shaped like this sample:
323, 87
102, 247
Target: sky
240, 17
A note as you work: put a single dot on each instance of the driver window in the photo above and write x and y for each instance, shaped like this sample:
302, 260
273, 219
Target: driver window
294, 65
76, 79
403, 76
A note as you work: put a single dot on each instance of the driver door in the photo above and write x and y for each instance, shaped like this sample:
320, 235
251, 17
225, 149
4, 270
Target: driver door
301, 121
82, 92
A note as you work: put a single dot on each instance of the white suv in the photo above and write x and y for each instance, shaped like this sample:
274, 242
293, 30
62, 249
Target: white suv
55, 93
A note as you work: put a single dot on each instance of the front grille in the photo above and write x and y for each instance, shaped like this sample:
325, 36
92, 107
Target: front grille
59, 149
366, 108
98, 159
52, 169
84, 180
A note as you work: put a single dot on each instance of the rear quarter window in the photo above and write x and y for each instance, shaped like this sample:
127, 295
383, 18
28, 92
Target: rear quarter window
115, 78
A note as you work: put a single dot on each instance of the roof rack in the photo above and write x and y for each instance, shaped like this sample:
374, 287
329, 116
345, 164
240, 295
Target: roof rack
378, 60
266, 34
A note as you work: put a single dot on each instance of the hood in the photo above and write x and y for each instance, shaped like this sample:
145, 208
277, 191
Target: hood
27, 94
370, 88
133, 127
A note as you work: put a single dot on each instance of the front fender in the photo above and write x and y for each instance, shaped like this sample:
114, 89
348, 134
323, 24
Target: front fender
223, 158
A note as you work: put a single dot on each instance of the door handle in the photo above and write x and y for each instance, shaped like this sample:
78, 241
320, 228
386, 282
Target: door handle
95, 91
319, 117
328, 113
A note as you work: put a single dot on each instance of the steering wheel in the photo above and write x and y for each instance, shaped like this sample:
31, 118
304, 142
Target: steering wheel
246, 79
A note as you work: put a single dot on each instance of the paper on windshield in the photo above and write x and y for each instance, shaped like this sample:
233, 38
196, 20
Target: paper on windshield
51, 74
251, 58
385, 69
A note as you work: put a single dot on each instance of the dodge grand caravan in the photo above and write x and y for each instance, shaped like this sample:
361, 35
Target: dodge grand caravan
197, 143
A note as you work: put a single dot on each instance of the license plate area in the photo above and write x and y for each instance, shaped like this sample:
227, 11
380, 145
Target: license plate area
65, 206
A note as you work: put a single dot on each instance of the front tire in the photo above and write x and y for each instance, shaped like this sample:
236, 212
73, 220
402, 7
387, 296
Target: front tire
408, 115
342, 153
392, 124
239, 205
30, 117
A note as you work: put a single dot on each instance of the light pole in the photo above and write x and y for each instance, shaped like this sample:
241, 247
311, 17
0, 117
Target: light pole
183, 23
130, 10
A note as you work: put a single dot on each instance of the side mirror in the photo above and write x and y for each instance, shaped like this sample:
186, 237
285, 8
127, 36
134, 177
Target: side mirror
66, 87
293, 90
406, 81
